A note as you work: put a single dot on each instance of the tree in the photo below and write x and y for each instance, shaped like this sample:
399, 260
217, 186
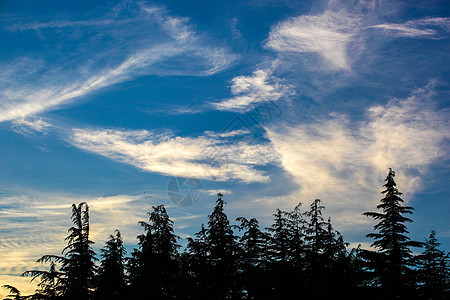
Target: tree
253, 249
434, 270
153, 267
392, 259
79, 265
221, 244
279, 256
14, 293
75, 279
316, 230
51, 285
197, 266
280, 237
111, 278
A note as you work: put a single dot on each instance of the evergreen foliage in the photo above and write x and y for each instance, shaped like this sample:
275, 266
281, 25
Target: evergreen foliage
111, 274
299, 254
392, 262
434, 270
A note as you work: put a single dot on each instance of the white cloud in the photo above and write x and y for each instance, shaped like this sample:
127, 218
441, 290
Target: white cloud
404, 31
201, 157
422, 28
31, 124
261, 86
54, 80
215, 192
326, 34
344, 165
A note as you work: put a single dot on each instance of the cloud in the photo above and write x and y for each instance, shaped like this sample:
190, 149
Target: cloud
215, 192
30, 125
203, 157
326, 34
147, 41
344, 163
404, 31
422, 28
261, 86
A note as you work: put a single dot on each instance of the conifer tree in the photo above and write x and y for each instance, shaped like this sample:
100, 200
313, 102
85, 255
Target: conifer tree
297, 234
111, 277
253, 248
196, 259
221, 248
280, 237
51, 285
393, 257
279, 269
153, 267
79, 265
434, 270
316, 230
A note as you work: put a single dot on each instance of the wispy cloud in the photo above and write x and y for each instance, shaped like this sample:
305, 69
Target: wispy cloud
326, 34
261, 86
422, 28
31, 124
344, 163
53, 80
204, 157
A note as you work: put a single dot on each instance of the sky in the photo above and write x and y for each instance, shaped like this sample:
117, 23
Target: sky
272, 103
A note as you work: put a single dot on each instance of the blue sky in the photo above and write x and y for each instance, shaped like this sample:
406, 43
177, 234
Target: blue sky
271, 102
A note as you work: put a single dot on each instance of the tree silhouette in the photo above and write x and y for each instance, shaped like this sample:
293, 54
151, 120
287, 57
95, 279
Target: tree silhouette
51, 285
252, 256
79, 265
197, 266
153, 268
14, 293
300, 255
393, 257
111, 274
434, 270
75, 279
221, 248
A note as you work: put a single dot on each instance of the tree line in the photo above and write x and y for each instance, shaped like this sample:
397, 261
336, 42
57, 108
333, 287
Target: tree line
300, 256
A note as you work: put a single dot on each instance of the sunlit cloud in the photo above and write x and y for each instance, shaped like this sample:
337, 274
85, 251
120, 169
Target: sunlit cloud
30, 125
422, 28
326, 34
261, 86
49, 83
204, 157
344, 163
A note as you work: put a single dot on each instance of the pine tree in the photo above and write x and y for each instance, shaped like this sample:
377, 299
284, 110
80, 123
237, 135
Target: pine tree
253, 249
279, 269
75, 279
79, 265
51, 285
111, 277
197, 265
221, 248
280, 237
154, 266
316, 229
297, 234
14, 293
394, 253
434, 270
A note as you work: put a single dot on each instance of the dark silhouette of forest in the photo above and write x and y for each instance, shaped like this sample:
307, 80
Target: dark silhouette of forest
300, 256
